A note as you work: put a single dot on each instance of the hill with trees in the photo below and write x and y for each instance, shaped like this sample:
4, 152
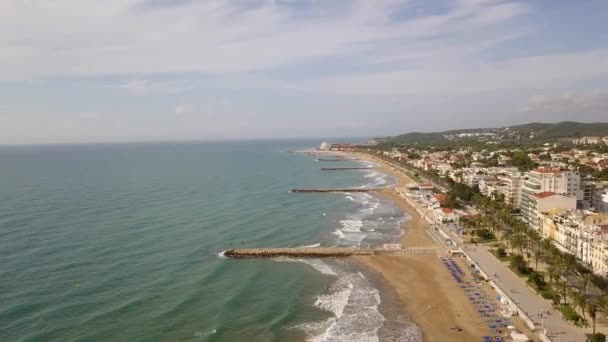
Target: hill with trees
526, 133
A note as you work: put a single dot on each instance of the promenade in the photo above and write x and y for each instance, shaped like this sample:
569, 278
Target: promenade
556, 327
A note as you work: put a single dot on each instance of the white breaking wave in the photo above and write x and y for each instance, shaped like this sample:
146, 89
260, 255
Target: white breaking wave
317, 264
351, 225
312, 246
339, 233
222, 255
354, 303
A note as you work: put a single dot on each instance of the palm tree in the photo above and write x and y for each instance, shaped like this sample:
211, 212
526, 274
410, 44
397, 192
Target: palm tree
545, 246
553, 274
593, 309
579, 300
563, 285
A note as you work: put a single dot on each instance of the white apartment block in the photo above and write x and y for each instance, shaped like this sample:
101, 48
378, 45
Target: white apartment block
544, 202
547, 180
513, 182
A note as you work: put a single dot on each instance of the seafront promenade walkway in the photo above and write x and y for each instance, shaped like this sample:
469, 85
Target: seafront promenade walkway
556, 327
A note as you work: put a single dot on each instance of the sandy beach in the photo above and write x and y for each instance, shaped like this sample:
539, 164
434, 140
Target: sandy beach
431, 297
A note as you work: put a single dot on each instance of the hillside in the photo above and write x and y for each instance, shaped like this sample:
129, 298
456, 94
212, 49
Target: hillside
530, 132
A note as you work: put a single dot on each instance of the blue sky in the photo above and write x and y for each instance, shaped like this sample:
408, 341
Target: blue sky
141, 70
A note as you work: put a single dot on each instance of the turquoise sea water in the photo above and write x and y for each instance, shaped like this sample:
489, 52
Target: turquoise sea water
122, 242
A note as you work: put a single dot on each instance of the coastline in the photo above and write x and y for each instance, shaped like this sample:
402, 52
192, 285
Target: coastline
429, 295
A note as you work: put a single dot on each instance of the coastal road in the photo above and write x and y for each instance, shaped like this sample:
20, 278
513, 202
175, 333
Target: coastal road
558, 329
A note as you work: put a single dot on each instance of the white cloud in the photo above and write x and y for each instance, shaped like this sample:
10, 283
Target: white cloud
90, 37
573, 103
553, 71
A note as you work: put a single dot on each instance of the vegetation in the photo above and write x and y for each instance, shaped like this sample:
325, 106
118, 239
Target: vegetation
599, 337
522, 161
569, 313
519, 134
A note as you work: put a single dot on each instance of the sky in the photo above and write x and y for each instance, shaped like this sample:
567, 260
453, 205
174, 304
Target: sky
79, 71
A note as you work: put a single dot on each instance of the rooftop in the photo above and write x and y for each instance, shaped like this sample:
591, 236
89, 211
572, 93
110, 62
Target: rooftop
544, 194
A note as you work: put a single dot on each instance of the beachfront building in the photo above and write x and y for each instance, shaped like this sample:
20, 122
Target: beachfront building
543, 202
445, 215
547, 180
581, 233
599, 254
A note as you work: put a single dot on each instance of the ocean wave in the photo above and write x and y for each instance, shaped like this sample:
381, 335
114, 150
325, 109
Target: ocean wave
353, 302
317, 264
312, 246
351, 225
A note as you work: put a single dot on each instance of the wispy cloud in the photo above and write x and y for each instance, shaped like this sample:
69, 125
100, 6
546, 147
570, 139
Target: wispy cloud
574, 103
218, 68
79, 38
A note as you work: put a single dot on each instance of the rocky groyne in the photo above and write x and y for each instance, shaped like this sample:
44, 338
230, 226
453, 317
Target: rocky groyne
300, 252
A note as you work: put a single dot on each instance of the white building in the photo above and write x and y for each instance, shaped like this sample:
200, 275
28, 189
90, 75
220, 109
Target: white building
543, 202
513, 180
547, 180
587, 141
581, 233
599, 200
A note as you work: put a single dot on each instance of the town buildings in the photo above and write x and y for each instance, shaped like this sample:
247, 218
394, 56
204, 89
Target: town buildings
579, 232
554, 181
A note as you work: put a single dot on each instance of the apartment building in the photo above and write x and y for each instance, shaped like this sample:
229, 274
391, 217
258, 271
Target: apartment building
579, 232
547, 180
512, 180
543, 202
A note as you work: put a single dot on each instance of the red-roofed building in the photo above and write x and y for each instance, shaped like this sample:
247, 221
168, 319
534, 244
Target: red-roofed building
445, 214
442, 199
545, 183
544, 194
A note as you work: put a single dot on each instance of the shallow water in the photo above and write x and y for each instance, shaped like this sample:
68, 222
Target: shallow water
121, 243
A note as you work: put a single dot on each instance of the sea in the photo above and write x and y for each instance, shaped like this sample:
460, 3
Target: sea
123, 242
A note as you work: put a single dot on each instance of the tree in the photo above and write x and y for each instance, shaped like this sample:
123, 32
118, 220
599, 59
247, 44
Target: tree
593, 309
579, 300
518, 263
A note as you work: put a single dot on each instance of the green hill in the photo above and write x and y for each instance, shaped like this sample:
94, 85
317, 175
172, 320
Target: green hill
530, 132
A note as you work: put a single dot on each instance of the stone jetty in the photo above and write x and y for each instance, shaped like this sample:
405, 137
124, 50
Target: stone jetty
344, 168
300, 252
338, 190
334, 159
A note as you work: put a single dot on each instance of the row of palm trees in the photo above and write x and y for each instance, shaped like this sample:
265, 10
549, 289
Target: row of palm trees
573, 281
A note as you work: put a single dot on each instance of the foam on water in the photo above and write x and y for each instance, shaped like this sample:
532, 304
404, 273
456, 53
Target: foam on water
351, 225
317, 264
354, 303
312, 246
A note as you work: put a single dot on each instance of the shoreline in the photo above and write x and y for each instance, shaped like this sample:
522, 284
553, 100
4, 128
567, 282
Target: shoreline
426, 290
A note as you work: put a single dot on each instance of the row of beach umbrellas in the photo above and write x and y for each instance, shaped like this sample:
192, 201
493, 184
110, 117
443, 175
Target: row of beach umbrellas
484, 304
